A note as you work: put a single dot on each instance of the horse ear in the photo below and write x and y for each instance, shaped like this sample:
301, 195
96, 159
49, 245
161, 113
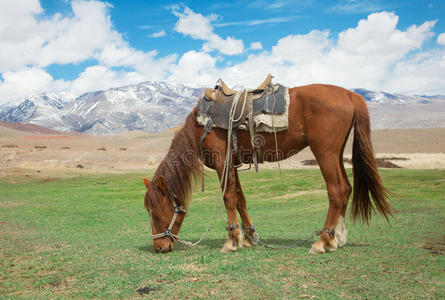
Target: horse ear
146, 182
162, 184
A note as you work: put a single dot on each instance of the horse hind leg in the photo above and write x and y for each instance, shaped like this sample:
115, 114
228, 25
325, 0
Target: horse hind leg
336, 188
340, 229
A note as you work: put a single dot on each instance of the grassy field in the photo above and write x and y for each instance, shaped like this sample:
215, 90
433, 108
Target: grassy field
89, 236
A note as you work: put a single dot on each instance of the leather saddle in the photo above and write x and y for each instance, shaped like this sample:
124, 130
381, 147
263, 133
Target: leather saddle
215, 106
217, 102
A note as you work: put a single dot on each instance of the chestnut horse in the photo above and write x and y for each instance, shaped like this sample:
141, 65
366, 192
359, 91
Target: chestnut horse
321, 117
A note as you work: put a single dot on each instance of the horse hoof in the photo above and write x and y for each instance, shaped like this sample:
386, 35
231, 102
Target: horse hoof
331, 249
247, 243
228, 247
317, 249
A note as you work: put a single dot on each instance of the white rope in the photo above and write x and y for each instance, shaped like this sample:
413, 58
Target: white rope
232, 119
275, 135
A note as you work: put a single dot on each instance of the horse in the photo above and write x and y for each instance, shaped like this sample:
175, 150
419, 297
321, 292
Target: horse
319, 116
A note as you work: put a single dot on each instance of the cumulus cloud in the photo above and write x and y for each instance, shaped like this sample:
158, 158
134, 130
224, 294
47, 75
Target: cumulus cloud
374, 54
71, 39
101, 77
35, 42
28, 81
256, 46
369, 55
199, 27
194, 67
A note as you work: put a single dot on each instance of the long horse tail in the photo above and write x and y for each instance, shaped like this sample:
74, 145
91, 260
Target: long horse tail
366, 176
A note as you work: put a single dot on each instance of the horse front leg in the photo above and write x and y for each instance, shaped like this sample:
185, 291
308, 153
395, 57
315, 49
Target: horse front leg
235, 238
248, 228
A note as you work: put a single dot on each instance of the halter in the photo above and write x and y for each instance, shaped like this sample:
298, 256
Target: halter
168, 232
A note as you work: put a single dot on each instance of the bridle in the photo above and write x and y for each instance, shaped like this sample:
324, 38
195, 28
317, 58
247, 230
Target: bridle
169, 232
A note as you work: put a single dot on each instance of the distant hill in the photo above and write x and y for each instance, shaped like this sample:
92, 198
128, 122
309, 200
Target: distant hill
28, 128
156, 106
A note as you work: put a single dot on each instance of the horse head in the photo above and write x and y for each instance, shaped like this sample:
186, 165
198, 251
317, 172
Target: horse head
165, 213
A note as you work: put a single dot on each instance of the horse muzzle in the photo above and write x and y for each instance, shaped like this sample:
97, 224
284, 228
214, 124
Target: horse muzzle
163, 245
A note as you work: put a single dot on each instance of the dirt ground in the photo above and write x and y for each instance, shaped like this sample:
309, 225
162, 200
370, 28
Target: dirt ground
30, 153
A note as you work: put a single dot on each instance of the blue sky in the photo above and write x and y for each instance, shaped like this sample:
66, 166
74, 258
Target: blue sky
78, 46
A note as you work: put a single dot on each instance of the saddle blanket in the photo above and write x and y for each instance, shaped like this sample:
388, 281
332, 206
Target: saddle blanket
270, 110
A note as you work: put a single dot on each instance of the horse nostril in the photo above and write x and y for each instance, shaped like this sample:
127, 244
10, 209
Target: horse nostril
158, 249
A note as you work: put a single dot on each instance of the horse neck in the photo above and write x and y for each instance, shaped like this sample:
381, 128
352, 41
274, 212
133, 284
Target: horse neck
181, 164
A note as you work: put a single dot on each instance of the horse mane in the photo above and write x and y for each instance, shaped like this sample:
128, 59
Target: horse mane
179, 168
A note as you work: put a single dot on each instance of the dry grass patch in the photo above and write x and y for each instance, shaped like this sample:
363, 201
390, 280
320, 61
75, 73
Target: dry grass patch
10, 204
301, 193
102, 148
10, 146
435, 247
384, 162
40, 147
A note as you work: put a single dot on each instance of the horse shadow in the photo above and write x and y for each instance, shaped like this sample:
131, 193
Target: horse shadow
274, 243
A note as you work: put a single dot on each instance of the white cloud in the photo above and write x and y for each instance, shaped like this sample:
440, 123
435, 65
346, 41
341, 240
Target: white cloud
355, 6
424, 72
229, 46
257, 22
158, 34
441, 39
200, 28
256, 46
44, 41
100, 78
35, 42
193, 24
28, 81
194, 67
370, 55
375, 54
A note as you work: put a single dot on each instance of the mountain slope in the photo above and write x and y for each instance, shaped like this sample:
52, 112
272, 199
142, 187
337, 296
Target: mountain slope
45, 110
150, 106
156, 106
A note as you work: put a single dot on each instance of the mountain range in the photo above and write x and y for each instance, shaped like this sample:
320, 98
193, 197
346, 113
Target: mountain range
157, 105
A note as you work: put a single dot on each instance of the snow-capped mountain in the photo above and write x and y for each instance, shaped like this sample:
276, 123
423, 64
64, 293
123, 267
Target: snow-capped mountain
156, 105
403, 111
150, 106
44, 109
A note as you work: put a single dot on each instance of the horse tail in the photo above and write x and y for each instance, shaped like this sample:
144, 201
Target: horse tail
366, 177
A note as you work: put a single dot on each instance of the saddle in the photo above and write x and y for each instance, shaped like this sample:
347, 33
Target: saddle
222, 93
215, 106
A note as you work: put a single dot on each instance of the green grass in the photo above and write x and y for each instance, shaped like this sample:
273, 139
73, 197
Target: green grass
89, 236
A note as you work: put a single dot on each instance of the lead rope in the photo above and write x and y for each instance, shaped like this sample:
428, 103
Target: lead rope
232, 119
275, 135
